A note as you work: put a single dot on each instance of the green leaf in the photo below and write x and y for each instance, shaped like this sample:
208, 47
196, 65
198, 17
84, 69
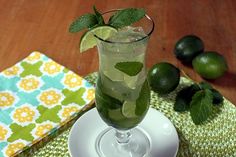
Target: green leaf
126, 17
82, 22
98, 16
143, 101
201, 106
205, 85
129, 68
184, 97
217, 97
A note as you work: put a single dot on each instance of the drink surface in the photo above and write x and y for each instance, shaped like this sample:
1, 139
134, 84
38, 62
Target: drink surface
122, 100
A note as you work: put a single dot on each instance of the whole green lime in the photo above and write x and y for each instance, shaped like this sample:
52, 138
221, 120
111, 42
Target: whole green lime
210, 65
163, 77
188, 47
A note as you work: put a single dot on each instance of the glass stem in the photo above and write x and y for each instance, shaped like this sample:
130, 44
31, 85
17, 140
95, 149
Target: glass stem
123, 136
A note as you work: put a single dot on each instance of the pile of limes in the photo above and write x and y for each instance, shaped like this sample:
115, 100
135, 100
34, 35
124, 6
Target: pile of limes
209, 64
164, 77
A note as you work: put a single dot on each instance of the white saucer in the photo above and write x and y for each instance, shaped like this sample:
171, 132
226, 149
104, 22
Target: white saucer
161, 132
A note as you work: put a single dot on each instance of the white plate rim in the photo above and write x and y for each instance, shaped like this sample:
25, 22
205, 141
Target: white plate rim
91, 110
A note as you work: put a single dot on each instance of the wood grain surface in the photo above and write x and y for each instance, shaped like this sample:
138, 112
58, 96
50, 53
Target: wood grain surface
28, 25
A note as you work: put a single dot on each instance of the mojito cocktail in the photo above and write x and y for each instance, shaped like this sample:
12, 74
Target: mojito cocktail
122, 100
122, 90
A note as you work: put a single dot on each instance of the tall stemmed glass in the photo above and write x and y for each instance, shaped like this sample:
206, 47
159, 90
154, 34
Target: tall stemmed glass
122, 91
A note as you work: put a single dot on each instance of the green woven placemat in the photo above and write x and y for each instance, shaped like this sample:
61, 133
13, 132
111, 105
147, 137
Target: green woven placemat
215, 138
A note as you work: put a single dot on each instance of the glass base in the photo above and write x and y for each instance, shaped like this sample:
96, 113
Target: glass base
137, 145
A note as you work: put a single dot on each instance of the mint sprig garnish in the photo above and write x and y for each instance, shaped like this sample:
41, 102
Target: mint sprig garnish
98, 16
121, 18
198, 98
84, 21
90, 21
129, 68
126, 17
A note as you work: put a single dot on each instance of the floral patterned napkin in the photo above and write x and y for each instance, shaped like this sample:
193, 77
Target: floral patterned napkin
37, 97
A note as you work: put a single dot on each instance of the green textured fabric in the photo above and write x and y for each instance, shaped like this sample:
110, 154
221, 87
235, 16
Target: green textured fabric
215, 138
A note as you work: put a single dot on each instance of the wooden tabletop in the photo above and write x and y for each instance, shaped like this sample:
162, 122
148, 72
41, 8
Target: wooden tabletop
28, 25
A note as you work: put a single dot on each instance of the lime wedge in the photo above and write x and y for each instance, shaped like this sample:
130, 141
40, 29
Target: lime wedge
128, 109
115, 114
89, 41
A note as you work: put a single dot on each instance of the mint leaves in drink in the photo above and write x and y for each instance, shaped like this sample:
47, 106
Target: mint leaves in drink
199, 99
129, 68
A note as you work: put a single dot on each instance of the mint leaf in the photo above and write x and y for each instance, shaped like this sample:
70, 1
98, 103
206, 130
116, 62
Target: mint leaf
205, 85
143, 101
126, 17
201, 106
217, 97
184, 97
82, 22
98, 16
129, 68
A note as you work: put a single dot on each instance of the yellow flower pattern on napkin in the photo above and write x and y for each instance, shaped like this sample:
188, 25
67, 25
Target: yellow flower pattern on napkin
50, 97
34, 56
72, 80
12, 71
29, 84
6, 99
24, 114
37, 97
68, 111
13, 148
52, 67
91, 93
3, 133
42, 129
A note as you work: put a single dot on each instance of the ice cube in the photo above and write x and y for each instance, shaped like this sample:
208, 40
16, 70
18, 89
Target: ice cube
128, 34
131, 81
107, 65
111, 88
114, 74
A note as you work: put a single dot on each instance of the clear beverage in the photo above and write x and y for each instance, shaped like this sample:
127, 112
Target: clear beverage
122, 91
122, 100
